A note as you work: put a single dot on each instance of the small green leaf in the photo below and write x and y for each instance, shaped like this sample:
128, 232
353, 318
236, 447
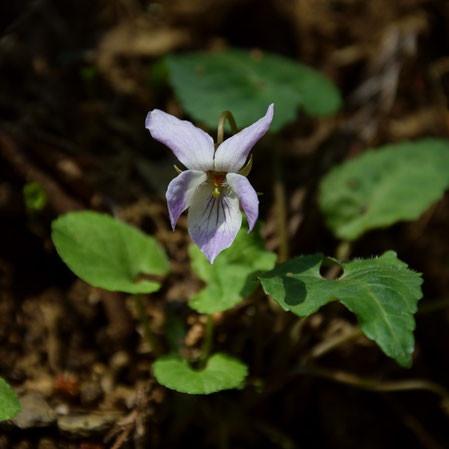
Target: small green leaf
9, 404
232, 276
246, 83
381, 187
382, 292
108, 253
221, 372
34, 196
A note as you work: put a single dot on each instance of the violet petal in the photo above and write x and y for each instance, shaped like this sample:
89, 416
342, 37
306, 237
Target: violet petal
248, 197
232, 153
214, 222
180, 191
191, 145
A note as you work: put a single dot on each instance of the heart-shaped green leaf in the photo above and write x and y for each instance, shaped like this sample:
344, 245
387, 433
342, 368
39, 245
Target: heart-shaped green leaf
384, 186
108, 253
245, 83
382, 292
233, 275
9, 404
222, 372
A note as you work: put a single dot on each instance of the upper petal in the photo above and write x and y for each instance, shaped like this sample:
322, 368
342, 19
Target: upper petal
191, 145
213, 222
232, 153
180, 191
248, 197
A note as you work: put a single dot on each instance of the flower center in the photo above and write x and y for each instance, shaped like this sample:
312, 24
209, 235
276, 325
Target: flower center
217, 179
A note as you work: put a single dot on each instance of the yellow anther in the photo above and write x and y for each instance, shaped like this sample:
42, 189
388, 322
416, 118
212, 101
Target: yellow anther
217, 180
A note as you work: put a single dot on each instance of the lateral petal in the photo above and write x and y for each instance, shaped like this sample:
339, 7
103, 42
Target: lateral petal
248, 197
232, 153
180, 191
191, 145
213, 222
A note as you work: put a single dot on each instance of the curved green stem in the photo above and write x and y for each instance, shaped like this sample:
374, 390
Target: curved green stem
343, 250
367, 383
143, 318
342, 253
330, 344
280, 202
226, 115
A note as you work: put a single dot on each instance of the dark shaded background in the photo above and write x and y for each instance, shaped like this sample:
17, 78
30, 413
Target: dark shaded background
76, 81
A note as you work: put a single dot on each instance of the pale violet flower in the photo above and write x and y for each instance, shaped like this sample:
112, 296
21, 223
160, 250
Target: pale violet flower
211, 187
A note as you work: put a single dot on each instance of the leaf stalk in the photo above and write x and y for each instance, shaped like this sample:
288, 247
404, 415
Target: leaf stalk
208, 339
143, 318
371, 384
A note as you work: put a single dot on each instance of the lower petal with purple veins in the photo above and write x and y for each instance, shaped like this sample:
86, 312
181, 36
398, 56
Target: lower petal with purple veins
214, 222
180, 191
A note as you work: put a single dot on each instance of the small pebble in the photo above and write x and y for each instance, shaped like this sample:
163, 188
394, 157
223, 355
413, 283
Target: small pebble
35, 412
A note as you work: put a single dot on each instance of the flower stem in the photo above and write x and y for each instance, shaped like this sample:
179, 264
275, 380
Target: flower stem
374, 385
343, 250
143, 318
342, 254
280, 203
226, 115
332, 343
208, 337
